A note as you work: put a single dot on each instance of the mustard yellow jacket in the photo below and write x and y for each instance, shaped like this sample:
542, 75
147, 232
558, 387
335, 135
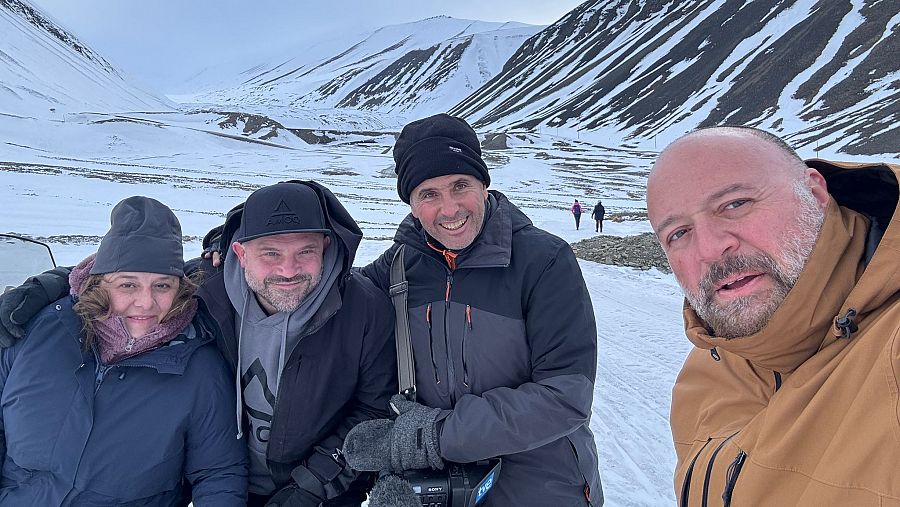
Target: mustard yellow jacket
807, 411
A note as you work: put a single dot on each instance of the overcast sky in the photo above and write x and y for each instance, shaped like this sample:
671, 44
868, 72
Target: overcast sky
156, 40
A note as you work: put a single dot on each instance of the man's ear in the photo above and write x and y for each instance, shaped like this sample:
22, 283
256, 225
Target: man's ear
239, 250
327, 242
818, 186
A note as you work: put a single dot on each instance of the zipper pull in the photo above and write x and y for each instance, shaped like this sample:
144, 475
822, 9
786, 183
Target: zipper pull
845, 325
734, 469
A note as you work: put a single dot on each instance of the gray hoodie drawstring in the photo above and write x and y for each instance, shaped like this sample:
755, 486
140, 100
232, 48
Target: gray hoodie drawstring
239, 391
284, 333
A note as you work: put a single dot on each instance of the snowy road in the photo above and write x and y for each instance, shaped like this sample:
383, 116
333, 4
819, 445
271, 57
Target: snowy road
641, 347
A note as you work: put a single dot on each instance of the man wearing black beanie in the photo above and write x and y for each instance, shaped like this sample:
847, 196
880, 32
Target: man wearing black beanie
437, 146
503, 332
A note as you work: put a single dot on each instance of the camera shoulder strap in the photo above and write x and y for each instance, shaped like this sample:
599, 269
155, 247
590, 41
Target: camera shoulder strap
406, 368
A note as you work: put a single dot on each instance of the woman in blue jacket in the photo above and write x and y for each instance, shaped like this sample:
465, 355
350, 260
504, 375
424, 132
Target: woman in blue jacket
117, 394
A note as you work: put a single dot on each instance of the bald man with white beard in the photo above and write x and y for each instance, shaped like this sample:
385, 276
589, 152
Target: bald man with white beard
791, 274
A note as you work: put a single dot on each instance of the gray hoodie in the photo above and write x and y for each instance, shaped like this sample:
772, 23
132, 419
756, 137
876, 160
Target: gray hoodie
265, 342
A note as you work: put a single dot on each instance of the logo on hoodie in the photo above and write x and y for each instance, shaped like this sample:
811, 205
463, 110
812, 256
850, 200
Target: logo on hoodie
283, 215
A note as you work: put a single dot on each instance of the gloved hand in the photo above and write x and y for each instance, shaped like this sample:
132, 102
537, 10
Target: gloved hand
392, 491
304, 491
294, 496
409, 442
19, 305
212, 238
212, 248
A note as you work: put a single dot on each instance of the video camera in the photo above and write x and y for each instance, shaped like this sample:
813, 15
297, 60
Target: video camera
460, 485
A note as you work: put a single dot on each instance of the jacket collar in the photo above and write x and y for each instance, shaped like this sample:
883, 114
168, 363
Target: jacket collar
873, 190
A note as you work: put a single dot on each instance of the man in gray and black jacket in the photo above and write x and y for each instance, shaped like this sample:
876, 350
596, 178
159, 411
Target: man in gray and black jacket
502, 331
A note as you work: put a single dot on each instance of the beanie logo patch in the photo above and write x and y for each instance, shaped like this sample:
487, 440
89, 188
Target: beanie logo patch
455, 149
283, 215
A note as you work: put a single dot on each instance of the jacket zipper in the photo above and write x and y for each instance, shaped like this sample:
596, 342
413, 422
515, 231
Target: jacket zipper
275, 408
437, 379
100, 375
287, 361
686, 485
731, 477
587, 486
464, 341
451, 375
709, 469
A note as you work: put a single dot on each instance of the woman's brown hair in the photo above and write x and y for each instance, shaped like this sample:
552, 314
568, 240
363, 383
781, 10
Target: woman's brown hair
93, 303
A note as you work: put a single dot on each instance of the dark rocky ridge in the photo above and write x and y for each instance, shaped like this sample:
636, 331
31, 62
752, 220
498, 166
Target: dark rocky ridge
641, 251
633, 66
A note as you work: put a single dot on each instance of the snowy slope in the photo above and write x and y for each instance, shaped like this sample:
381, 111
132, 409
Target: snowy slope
822, 72
411, 69
46, 71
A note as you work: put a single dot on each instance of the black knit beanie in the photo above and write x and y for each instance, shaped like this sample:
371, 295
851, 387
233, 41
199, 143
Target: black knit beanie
437, 146
282, 208
144, 236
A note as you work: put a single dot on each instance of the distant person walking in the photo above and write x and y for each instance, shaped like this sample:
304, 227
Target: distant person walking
576, 210
597, 215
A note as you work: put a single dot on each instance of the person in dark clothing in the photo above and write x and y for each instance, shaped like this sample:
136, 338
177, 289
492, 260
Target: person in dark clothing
597, 215
116, 394
576, 211
310, 342
504, 365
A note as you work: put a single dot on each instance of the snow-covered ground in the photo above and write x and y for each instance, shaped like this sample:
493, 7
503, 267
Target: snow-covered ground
60, 180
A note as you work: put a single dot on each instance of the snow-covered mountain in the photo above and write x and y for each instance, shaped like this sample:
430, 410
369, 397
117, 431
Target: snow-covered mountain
821, 72
411, 69
46, 71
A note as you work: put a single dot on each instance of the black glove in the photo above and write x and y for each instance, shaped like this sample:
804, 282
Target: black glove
304, 491
406, 443
393, 491
212, 243
19, 305
294, 496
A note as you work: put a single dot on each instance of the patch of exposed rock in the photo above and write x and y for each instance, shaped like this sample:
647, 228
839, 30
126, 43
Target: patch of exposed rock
641, 251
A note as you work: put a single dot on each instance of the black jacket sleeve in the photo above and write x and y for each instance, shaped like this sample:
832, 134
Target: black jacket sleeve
377, 382
20, 304
379, 270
